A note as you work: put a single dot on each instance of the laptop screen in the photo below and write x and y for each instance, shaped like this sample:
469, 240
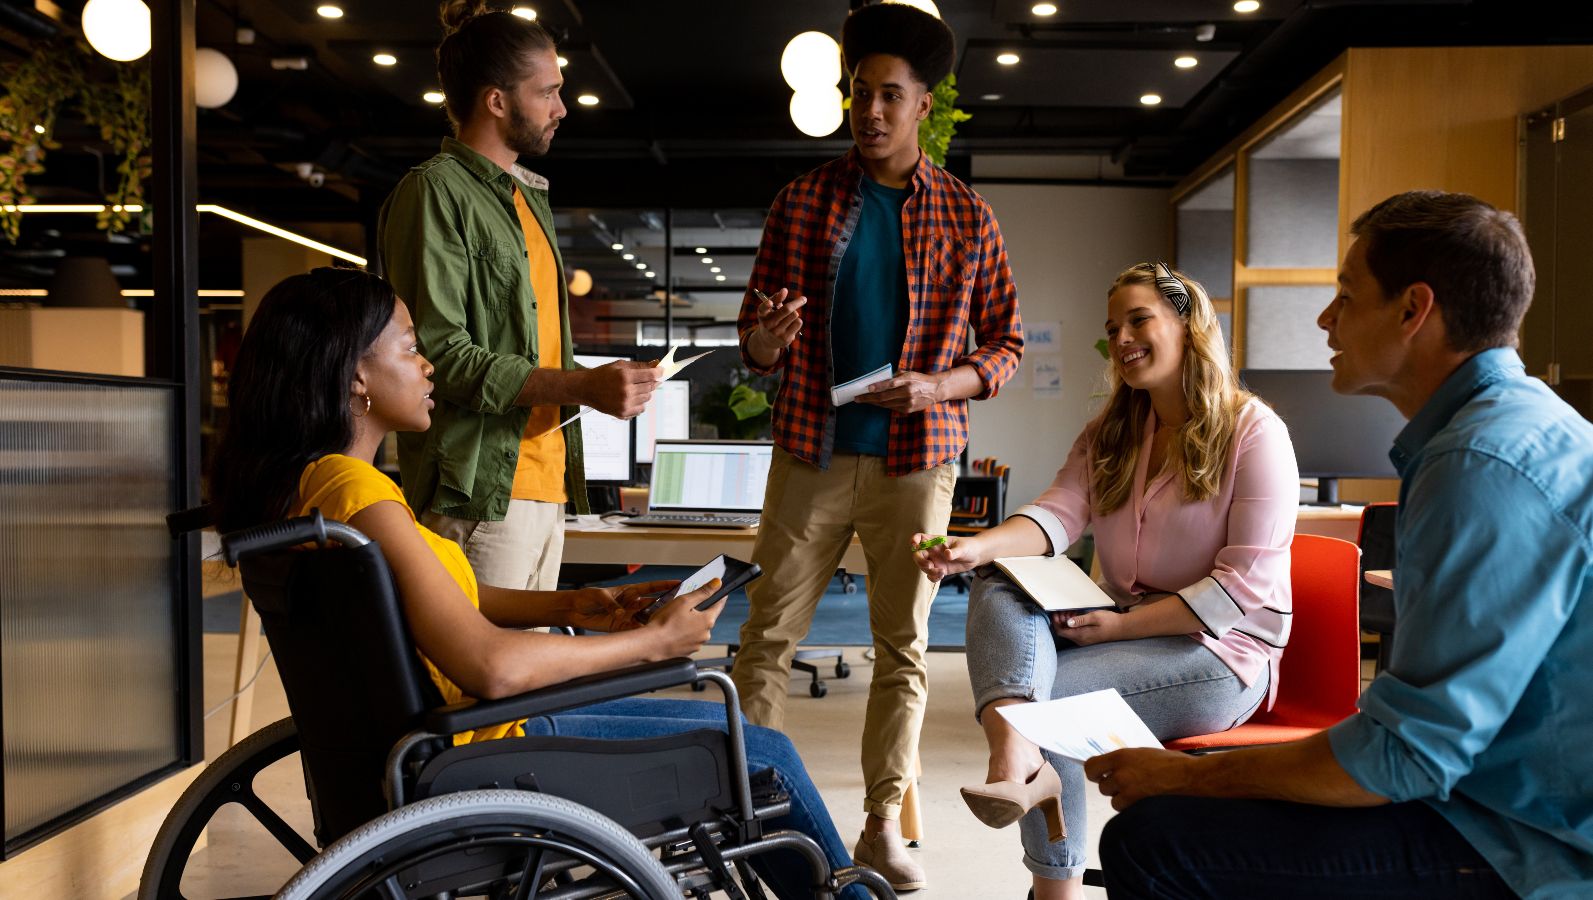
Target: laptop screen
722, 476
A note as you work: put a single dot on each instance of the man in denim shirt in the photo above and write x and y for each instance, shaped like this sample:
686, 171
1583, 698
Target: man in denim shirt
1468, 770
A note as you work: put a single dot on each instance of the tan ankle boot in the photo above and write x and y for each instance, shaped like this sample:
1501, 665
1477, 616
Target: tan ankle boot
886, 855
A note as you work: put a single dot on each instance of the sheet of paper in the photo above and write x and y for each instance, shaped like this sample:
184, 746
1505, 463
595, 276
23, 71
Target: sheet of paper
669, 364
843, 394
1081, 726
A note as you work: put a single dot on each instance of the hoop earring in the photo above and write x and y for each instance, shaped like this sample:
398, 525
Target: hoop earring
367, 399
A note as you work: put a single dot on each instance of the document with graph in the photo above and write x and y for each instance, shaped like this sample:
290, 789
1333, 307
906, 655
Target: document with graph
1081, 726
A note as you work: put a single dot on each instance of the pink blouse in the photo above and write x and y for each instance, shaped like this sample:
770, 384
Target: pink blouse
1227, 557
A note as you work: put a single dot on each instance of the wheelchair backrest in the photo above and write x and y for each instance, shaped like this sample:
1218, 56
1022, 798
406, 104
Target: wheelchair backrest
353, 680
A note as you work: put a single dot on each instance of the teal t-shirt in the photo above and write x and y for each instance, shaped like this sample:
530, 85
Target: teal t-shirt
868, 323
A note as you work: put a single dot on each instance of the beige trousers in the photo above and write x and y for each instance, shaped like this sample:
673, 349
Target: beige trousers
521, 552
809, 516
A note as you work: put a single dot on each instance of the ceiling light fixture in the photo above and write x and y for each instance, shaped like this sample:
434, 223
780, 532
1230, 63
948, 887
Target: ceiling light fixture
525, 12
641, 265
433, 97
927, 6
118, 29
385, 59
715, 269
708, 260
1044, 9
215, 78
628, 257
1007, 59
580, 283
1247, 6
811, 61
650, 274
719, 278
563, 62
991, 97
328, 11
817, 112
616, 246
702, 249
1186, 62
38, 129
1150, 99
587, 99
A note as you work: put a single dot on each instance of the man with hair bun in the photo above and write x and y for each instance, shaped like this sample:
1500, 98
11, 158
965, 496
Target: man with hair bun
467, 239
879, 258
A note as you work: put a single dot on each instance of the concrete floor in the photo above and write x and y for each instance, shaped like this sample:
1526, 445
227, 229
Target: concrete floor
962, 857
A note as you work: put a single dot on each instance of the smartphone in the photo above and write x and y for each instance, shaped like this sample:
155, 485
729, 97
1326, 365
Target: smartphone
733, 574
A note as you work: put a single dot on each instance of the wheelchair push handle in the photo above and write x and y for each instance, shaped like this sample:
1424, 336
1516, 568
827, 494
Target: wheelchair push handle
312, 528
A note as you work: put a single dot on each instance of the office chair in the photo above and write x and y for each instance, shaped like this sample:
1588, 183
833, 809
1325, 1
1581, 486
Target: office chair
979, 502
1319, 676
400, 812
1376, 540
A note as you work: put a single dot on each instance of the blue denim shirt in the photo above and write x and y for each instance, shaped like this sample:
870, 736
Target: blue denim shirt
1486, 709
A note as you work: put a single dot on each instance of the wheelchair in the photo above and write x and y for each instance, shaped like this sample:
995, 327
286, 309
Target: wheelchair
401, 813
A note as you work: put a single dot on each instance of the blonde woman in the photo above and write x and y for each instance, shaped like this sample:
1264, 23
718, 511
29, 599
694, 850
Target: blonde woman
1191, 486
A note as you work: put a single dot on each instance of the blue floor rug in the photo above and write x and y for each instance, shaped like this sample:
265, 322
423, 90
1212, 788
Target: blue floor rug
841, 620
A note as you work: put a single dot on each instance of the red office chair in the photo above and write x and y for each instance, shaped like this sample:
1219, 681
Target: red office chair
1319, 676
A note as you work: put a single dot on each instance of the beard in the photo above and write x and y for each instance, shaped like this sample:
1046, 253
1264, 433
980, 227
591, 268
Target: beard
525, 138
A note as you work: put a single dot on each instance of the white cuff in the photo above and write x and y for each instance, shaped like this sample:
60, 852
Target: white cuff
1212, 605
1049, 523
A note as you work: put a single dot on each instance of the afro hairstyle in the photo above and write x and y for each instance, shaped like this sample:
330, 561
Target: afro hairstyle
897, 29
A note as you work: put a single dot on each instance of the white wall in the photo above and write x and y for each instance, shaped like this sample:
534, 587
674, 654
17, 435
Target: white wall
1066, 243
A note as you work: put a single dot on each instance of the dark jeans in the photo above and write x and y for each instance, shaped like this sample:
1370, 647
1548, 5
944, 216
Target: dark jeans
1180, 848
786, 873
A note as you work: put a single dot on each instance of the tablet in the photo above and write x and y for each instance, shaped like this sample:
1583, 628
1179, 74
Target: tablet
733, 574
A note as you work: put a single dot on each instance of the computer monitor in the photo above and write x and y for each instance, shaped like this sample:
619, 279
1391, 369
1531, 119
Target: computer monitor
609, 442
726, 476
668, 416
1335, 435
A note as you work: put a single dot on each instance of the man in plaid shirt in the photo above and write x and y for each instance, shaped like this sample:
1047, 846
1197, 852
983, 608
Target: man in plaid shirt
879, 258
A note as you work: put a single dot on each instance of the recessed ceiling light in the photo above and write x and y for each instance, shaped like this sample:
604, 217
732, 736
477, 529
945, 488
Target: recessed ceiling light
1007, 59
1044, 9
587, 99
433, 97
709, 260
385, 59
719, 278
1186, 62
628, 257
641, 265
38, 129
328, 11
650, 274
525, 12
702, 249
616, 246
563, 62
715, 269
989, 96
1150, 99
1247, 6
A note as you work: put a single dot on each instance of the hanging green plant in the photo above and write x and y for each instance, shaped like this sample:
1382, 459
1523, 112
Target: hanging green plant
113, 97
937, 129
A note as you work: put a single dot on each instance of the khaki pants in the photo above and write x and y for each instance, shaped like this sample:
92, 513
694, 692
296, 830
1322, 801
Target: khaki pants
809, 516
521, 552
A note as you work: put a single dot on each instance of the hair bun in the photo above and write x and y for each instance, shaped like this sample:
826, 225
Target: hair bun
455, 13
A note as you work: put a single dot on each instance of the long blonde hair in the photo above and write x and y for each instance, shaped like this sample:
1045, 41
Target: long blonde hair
1204, 442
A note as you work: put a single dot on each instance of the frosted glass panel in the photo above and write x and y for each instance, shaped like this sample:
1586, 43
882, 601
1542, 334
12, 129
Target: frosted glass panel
1280, 327
88, 682
1293, 191
1205, 235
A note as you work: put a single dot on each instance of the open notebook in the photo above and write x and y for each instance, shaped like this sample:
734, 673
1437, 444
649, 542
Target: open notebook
1056, 583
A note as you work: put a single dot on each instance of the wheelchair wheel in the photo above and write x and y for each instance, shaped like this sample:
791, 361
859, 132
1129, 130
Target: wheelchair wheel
230, 779
481, 842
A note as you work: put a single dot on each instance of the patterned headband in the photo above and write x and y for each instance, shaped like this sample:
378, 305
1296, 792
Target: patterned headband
1173, 289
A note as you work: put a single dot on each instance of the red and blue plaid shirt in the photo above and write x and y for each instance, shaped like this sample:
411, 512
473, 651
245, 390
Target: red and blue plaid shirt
957, 281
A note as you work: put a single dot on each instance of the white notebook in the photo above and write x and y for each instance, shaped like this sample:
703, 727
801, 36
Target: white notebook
1056, 583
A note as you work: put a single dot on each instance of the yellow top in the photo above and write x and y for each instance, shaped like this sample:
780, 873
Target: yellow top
539, 475
341, 486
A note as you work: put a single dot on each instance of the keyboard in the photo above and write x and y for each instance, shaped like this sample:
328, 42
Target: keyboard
695, 520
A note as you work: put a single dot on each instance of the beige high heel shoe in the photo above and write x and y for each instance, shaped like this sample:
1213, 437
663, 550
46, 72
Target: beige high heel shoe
1004, 802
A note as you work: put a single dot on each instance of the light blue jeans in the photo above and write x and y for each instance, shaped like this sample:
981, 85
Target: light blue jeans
1174, 683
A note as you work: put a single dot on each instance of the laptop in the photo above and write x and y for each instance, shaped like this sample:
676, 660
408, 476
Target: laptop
707, 484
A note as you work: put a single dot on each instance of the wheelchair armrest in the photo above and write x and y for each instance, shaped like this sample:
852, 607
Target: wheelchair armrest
639, 679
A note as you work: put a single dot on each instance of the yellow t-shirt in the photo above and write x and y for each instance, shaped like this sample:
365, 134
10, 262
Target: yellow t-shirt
539, 474
341, 486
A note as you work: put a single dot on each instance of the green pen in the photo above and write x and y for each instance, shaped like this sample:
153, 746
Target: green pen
935, 541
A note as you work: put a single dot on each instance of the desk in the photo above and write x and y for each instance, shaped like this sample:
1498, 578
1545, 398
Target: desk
1383, 578
1330, 521
591, 540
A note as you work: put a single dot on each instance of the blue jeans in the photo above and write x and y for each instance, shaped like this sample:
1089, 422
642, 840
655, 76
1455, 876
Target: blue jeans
643, 717
1182, 848
1174, 683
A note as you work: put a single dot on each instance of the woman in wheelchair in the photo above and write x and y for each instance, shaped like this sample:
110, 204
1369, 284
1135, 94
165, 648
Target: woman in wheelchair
328, 367
1191, 487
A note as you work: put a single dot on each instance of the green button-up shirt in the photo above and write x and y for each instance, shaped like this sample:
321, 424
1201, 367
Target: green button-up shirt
451, 244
